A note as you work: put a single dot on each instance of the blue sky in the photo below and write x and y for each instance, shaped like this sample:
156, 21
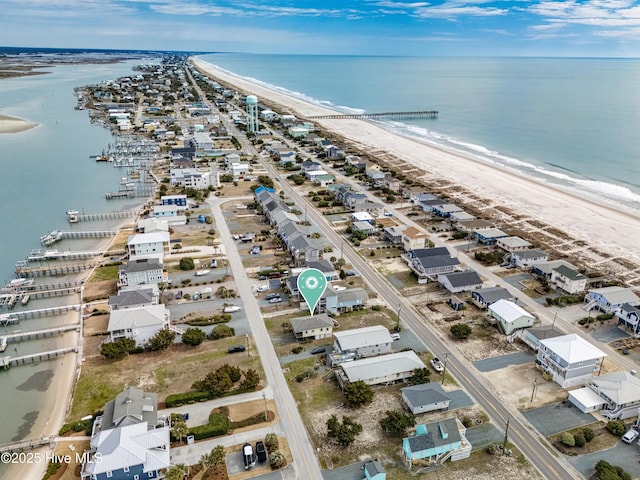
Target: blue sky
377, 27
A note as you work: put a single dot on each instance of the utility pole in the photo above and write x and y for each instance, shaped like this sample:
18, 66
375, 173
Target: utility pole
535, 386
398, 315
444, 370
264, 396
248, 352
506, 431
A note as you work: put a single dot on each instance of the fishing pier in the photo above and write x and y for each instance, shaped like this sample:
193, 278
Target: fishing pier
428, 114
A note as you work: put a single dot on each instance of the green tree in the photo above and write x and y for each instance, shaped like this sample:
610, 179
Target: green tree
616, 427
420, 376
161, 340
357, 393
187, 263
215, 458
567, 439
580, 441
266, 181
193, 336
218, 383
276, 459
396, 423
271, 441
344, 433
177, 472
343, 274
606, 471
234, 372
251, 380
118, 349
179, 427
221, 331
461, 331
588, 434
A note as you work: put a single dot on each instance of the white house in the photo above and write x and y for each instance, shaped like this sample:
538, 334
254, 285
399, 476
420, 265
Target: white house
141, 271
360, 342
139, 324
169, 213
510, 316
568, 279
569, 359
457, 282
611, 299
617, 394
148, 245
390, 368
512, 244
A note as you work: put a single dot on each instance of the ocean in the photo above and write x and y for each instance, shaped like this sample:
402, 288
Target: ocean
46, 171
569, 122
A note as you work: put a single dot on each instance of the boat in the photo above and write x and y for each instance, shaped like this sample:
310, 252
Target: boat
25, 299
73, 216
51, 238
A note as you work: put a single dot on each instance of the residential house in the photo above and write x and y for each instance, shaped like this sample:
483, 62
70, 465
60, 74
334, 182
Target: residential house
359, 343
616, 394
374, 209
569, 359
326, 267
142, 271
568, 280
489, 236
629, 319
445, 210
426, 263
461, 216
483, 297
180, 201
139, 324
193, 178
457, 282
374, 175
310, 166
169, 213
437, 442
352, 200
610, 299
528, 258
239, 169
387, 369
474, 225
363, 227
314, 327
361, 216
510, 316
513, 244
336, 303
414, 239
427, 205
391, 183
393, 234
127, 440
135, 297
373, 470
425, 397
150, 225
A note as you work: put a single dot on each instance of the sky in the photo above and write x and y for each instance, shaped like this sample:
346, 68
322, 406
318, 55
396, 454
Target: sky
582, 28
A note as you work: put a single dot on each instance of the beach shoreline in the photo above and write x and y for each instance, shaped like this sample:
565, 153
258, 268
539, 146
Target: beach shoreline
609, 231
10, 124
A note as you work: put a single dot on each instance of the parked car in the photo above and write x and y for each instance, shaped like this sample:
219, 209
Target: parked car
261, 452
262, 288
236, 349
437, 364
275, 300
317, 350
262, 277
395, 336
272, 295
248, 457
339, 288
630, 436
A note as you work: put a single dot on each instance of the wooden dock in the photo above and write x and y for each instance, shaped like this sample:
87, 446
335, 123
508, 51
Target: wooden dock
58, 235
47, 255
75, 216
28, 444
23, 271
8, 361
34, 334
430, 114
15, 317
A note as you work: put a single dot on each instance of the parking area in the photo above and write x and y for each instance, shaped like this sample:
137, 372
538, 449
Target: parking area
484, 435
608, 334
622, 455
496, 363
557, 417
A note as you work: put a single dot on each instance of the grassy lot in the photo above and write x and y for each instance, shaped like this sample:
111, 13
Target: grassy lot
171, 371
101, 274
602, 440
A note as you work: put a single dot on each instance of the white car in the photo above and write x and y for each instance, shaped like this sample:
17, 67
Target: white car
630, 436
395, 336
437, 364
339, 288
275, 300
262, 288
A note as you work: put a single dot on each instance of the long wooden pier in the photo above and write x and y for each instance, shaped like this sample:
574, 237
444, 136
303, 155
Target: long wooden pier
431, 114
34, 334
28, 444
23, 271
75, 216
15, 317
8, 361
43, 256
57, 235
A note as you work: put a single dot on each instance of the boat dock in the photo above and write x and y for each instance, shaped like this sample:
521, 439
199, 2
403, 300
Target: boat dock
34, 334
8, 361
57, 235
43, 256
15, 317
381, 116
28, 444
75, 216
22, 270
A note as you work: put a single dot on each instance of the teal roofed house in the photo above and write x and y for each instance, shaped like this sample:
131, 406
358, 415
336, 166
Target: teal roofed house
436, 443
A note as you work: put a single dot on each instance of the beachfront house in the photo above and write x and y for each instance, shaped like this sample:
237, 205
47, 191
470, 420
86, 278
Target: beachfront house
436, 442
381, 369
615, 394
149, 245
445, 210
510, 317
426, 263
360, 342
414, 239
610, 299
139, 324
313, 327
458, 282
128, 441
629, 319
135, 297
483, 297
335, 303
425, 397
512, 244
489, 236
569, 359
568, 279
526, 258
141, 271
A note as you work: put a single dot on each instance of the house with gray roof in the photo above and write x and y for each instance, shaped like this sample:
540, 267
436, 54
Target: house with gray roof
436, 442
139, 296
615, 394
356, 343
610, 299
141, 271
473, 224
568, 279
426, 263
512, 244
393, 234
314, 327
139, 324
460, 281
527, 258
336, 303
387, 369
489, 236
373, 470
629, 319
425, 397
483, 297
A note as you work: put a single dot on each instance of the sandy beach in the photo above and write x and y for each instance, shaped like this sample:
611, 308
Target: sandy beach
14, 125
610, 234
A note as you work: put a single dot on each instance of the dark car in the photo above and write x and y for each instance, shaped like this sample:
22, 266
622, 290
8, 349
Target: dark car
317, 350
236, 349
261, 452
271, 296
248, 457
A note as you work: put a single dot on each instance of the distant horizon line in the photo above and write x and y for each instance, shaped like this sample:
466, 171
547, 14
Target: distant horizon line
5, 48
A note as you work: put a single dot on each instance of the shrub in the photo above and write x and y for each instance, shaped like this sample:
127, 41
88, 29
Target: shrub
218, 425
396, 423
271, 441
357, 393
460, 331
606, 471
276, 459
580, 441
344, 432
193, 336
118, 349
221, 331
466, 421
179, 399
567, 439
187, 263
588, 434
616, 427
297, 349
161, 340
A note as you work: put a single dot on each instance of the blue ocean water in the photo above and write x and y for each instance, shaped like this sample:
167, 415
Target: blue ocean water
571, 122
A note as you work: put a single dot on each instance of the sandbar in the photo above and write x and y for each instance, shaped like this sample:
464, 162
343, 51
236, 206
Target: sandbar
609, 230
14, 125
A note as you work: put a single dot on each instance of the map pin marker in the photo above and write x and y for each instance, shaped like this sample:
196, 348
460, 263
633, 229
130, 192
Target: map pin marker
311, 285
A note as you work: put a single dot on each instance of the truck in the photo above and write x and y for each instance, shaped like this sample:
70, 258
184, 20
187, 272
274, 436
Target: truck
231, 309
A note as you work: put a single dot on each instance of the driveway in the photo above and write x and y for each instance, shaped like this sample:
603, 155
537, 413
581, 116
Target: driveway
496, 363
557, 417
608, 334
622, 455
